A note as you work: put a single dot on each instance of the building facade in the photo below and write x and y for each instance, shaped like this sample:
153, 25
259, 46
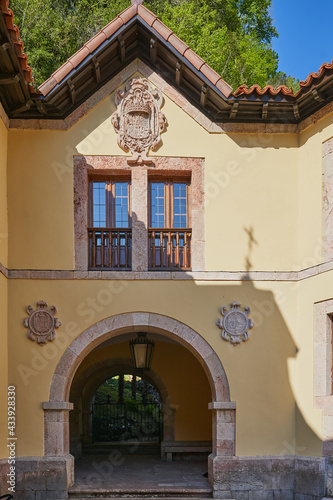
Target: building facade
140, 194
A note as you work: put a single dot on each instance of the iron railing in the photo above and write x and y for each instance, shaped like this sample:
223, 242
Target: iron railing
170, 248
110, 248
126, 422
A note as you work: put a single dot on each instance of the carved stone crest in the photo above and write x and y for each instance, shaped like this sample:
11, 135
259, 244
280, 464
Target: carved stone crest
41, 323
138, 120
235, 324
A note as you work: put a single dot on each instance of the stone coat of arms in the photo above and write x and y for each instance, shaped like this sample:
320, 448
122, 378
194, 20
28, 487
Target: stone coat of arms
41, 323
138, 120
235, 324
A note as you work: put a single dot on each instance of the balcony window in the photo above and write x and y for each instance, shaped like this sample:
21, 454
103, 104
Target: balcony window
109, 231
169, 225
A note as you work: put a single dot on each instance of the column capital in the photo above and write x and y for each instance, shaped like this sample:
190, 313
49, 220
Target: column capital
217, 405
57, 405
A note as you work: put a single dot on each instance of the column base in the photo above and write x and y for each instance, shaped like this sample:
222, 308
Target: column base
38, 478
271, 477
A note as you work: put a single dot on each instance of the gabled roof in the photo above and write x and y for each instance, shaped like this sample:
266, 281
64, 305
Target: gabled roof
119, 22
138, 33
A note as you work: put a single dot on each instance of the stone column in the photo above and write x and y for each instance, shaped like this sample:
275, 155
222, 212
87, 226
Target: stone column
224, 432
224, 418
169, 417
56, 428
139, 202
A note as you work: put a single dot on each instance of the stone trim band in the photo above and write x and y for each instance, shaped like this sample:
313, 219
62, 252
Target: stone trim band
42, 274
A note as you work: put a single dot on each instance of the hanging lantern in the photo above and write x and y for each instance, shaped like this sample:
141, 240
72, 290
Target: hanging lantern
142, 350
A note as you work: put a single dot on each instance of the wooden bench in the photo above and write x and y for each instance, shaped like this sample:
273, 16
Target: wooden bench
170, 447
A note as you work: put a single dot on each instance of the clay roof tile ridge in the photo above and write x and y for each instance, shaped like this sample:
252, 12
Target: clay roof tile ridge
15, 37
315, 75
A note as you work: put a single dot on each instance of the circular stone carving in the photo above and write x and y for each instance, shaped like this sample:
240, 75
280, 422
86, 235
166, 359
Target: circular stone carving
235, 324
41, 323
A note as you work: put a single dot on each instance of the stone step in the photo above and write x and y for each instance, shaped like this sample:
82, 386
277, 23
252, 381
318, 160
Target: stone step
81, 493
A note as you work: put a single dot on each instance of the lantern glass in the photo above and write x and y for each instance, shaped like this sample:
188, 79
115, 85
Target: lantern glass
142, 351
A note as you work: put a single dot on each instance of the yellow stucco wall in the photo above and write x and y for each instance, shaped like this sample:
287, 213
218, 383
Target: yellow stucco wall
310, 191
3, 367
261, 381
251, 186
3, 195
3, 291
263, 212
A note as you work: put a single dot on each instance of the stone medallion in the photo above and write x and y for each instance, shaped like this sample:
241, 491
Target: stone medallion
41, 323
235, 324
138, 120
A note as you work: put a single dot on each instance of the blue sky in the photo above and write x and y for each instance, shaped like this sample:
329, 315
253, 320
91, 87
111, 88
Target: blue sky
306, 35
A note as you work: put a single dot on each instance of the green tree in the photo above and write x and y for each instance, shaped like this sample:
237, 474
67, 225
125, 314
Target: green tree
233, 36
281, 78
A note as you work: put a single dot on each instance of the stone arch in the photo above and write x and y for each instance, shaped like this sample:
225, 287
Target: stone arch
92, 378
56, 428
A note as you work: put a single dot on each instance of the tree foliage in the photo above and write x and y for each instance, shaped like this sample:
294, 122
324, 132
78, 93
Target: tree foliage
233, 36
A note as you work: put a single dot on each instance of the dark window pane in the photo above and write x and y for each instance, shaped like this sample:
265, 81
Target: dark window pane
157, 204
121, 204
99, 204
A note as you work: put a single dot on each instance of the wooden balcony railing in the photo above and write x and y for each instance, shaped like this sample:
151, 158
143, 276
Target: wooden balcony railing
110, 248
169, 248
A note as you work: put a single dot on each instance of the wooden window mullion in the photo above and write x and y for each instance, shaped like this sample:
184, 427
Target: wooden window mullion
112, 204
129, 204
91, 205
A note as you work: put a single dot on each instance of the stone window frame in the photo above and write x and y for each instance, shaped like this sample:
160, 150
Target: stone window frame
323, 370
85, 166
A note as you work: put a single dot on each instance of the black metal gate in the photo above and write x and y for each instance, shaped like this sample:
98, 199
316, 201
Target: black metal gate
126, 422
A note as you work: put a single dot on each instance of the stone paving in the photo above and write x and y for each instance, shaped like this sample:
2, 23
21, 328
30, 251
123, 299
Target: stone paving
144, 473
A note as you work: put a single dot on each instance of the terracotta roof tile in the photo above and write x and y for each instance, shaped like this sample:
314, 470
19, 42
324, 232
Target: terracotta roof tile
78, 57
128, 13
210, 74
223, 87
282, 89
194, 59
146, 15
112, 27
4, 5
19, 48
47, 86
95, 41
268, 90
63, 71
18, 44
178, 44
163, 30
314, 76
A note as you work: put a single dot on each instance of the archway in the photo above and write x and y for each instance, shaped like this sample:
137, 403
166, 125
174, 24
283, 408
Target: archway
89, 381
56, 441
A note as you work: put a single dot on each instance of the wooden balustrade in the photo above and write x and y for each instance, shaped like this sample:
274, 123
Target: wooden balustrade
169, 248
110, 248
